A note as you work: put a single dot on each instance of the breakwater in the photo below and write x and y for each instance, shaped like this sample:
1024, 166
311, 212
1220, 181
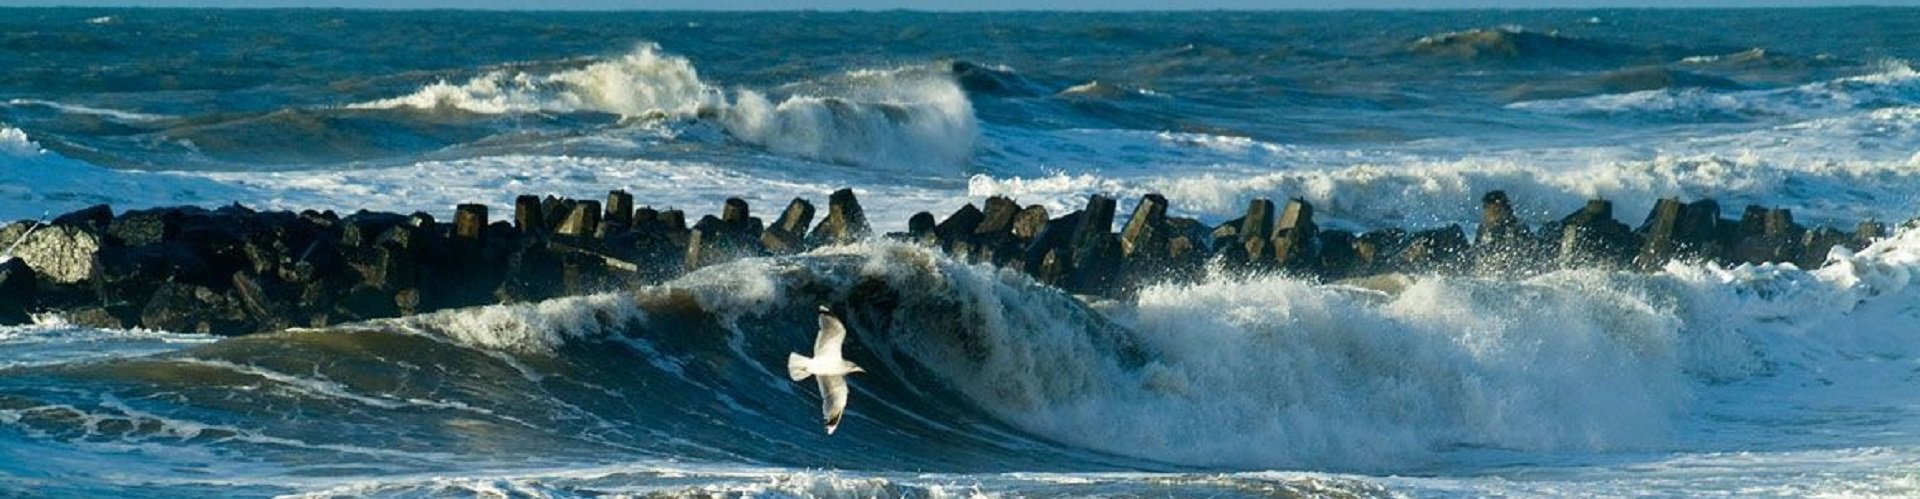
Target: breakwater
234, 270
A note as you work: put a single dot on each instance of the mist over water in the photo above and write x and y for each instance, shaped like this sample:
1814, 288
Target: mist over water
1695, 380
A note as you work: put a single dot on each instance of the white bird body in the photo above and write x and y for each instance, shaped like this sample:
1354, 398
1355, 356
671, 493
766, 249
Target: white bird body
828, 367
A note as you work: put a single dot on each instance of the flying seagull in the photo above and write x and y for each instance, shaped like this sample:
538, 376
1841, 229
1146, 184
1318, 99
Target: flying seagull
827, 365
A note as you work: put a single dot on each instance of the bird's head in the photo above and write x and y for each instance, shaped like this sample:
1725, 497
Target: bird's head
857, 369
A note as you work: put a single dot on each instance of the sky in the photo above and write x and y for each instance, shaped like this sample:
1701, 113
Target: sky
952, 4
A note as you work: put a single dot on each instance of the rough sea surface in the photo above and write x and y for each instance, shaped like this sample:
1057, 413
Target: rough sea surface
1697, 380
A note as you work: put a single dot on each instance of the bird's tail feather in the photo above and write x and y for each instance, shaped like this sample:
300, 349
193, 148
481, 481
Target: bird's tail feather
797, 366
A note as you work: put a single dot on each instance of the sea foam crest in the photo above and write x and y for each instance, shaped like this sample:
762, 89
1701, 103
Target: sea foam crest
14, 142
1274, 371
909, 119
1895, 83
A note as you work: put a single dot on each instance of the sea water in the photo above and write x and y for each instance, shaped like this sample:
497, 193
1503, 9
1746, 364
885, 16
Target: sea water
1767, 380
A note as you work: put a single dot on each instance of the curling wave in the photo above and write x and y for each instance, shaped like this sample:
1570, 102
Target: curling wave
977, 369
912, 120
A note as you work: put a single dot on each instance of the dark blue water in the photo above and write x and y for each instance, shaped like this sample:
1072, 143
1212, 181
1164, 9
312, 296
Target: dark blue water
1692, 381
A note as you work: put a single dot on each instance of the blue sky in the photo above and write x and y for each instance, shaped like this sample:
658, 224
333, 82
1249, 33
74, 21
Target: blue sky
953, 4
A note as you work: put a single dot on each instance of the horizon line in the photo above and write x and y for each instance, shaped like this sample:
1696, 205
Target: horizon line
960, 11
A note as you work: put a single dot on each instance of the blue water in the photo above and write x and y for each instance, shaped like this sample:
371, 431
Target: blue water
1697, 380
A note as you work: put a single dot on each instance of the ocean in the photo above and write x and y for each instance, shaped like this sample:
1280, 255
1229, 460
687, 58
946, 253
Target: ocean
1694, 380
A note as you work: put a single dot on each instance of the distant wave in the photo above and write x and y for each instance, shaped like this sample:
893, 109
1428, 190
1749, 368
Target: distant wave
1896, 84
994, 80
1624, 81
914, 120
1758, 58
114, 114
1516, 45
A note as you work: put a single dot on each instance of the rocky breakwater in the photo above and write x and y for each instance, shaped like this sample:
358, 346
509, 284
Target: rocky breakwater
234, 270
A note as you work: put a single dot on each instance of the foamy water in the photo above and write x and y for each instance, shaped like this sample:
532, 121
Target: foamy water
1694, 380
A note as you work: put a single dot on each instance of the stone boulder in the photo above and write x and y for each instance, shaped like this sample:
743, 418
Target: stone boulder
17, 286
845, 222
59, 254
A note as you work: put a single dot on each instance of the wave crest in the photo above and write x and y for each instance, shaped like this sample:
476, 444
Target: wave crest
1513, 44
914, 120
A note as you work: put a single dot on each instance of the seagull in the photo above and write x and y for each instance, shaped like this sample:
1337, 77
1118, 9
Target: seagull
827, 365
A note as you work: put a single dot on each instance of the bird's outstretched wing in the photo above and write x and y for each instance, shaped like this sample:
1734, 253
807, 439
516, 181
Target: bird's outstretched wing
832, 334
833, 400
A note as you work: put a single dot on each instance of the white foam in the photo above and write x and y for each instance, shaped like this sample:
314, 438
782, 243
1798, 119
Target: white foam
532, 327
14, 142
908, 119
1896, 81
1274, 372
59, 343
114, 114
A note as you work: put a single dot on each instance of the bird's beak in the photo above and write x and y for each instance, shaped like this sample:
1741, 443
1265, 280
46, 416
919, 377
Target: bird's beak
859, 369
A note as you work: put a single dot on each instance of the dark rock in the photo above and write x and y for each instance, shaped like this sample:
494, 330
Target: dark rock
845, 222
368, 301
360, 230
555, 210
788, 234
717, 240
1146, 235
1149, 242
94, 218
1095, 220
674, 224
421, 220
185, 308
619, 208
1504, 245
528, 216
17, 286
1866, 233
1048, 256
1435, 249
1253, 230
1376, 251
582, 221
958, 228
1591, 237
997, 218
129, 275
264, 308
1817, 244
735, 211
144, 227
1767, 235
531, 275
96, 317
920, 226
1097, 264
59, 254
1690, 231
1337, 257
1497, 221
1295, 237
470, 222
1187, 245
1029, 221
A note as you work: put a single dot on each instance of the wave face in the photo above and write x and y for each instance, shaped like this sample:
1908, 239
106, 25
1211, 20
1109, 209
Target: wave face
1695, 380
973, 369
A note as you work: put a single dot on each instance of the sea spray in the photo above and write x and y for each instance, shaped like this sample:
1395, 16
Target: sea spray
913, 120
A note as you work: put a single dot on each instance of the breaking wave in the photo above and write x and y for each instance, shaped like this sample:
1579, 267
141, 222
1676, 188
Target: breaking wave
1895, 85
1517, 45
913, 120
976, 369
